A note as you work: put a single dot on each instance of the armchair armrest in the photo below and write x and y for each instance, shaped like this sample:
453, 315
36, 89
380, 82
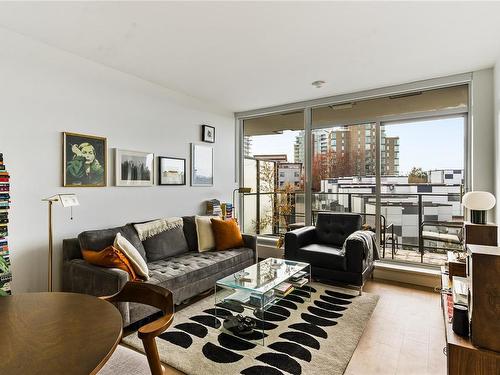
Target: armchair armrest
355, 251
298, 238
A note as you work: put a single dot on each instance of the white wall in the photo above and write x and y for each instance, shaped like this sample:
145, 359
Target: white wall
45, 91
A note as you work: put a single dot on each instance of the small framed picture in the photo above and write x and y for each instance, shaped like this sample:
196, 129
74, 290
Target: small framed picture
171, 171
84, 160
134, 168
208, 134
202, 165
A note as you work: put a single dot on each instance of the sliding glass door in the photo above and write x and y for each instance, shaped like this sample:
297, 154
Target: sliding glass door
422, 181
399, 161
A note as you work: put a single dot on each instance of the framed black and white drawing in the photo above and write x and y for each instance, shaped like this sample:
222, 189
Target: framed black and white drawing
208, 134
134, 168
202, 165
171, 171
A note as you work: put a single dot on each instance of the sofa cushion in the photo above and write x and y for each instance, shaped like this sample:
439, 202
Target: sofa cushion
227, 234
99, 239
324, 256
189, 229
334, 228
163, 238
191, 267
110, 257
206, 239
136, 261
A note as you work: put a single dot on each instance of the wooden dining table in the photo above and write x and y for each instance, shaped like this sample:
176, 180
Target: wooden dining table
57, 333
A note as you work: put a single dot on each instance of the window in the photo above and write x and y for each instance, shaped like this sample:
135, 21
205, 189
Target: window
414, 173
274, 167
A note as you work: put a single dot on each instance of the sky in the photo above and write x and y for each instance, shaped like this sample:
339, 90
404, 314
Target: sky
433, 144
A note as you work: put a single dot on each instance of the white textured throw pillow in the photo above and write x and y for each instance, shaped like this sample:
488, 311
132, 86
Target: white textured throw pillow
206, 240
136, 261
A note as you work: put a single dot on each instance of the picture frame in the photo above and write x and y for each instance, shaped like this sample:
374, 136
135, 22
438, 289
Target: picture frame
208, 133
202, 164
134, 168
171, 171
84, 161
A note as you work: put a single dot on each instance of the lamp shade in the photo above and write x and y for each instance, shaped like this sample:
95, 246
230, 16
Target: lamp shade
479, 200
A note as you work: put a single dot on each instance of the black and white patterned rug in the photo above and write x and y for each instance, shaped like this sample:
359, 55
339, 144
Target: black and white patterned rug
302, 337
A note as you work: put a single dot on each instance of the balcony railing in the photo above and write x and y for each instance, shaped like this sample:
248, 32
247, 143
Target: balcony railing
415, 227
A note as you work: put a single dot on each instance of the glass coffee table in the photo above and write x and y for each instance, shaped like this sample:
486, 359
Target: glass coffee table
253, 292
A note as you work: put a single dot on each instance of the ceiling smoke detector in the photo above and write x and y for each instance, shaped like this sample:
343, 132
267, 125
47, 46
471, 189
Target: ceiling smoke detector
318, 84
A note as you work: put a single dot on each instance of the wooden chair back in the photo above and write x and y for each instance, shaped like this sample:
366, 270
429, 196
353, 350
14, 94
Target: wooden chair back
151, 295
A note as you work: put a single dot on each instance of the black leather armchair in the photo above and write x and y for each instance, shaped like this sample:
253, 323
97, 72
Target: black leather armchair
321, 247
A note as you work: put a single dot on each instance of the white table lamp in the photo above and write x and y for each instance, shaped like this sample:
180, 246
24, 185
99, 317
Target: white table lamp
478, 202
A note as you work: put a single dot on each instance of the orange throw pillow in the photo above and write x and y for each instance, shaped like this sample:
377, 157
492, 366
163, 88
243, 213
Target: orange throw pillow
227, 234
110, 257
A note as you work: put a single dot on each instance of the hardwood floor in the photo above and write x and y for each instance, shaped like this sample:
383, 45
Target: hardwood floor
405, 335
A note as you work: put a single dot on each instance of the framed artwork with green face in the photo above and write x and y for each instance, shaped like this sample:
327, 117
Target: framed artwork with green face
84, 160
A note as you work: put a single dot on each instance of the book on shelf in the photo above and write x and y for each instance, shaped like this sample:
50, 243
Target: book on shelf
283, 289
240, 296
278, 294
298, 276
300, 283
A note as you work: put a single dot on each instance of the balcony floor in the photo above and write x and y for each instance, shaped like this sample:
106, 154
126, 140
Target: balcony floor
413, 256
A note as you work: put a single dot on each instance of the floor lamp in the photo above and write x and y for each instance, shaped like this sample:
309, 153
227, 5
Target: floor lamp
241, 190
67, 200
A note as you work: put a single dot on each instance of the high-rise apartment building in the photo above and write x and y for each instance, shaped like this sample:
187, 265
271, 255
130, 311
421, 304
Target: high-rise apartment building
349, 150
390, 166
298, 148
247, 146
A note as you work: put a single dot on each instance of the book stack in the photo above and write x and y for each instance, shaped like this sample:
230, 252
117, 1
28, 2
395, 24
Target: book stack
299, 279
229, 211
239, 296
283, 289
214, 208
5, 274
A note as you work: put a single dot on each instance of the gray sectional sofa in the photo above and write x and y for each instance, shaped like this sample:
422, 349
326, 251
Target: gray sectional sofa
186, 274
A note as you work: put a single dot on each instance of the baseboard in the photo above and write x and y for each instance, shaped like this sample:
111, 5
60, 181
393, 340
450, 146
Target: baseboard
415, 275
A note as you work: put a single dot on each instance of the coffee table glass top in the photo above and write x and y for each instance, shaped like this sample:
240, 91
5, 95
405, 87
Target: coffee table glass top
263, 276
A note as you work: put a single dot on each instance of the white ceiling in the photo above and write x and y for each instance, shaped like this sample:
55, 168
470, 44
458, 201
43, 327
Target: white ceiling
248, 55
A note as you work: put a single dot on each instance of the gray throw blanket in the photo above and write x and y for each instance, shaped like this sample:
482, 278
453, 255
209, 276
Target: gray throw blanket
370, 241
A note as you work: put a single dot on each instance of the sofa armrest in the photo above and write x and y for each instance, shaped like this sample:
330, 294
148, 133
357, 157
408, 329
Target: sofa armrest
250, 241
355, 255
82, 277
71, 249
298, 238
